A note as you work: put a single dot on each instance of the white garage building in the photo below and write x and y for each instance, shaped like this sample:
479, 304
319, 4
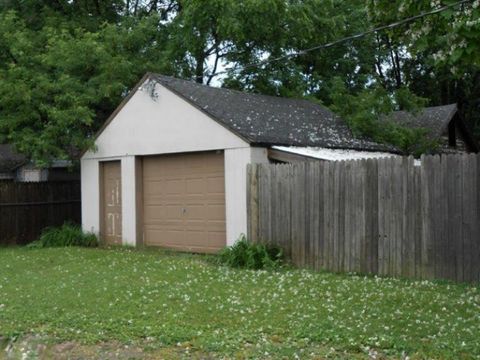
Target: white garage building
169, 166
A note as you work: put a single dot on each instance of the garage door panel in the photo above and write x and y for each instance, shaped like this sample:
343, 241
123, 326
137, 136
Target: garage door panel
167, 214
217, 198
172, 212
155, 237
216, 237
194, 201
204, 241
207, 239
217, 212
153, 213
153, 188
196, 186
196, 212
216, 234
216, 185
184, 201
159, 226
175, 186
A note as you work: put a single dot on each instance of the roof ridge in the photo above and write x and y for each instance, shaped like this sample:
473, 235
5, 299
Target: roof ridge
269, 120
240, 92
429, 108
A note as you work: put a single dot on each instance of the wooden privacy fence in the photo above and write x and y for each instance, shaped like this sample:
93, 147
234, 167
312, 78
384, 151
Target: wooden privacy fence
27, 208
382, 216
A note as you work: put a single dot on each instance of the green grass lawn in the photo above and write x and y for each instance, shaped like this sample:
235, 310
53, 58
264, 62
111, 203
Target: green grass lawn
184, 304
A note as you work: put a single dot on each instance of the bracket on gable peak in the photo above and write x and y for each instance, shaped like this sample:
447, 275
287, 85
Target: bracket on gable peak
150, 87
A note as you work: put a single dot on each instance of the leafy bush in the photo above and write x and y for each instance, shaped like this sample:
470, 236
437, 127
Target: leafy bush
65, 235
245, 254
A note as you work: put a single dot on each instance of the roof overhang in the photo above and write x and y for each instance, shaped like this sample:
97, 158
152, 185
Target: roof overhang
287, 154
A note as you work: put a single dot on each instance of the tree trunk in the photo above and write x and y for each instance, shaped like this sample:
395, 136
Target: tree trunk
395, 64
199, 68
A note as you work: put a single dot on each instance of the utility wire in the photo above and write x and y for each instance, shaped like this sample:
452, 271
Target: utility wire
348, 38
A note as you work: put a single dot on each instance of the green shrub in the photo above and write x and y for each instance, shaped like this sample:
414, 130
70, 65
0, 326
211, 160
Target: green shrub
65, 235
245, 254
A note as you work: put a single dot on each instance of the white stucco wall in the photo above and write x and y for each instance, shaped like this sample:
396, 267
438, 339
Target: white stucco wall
236, 161
166, 124
129, 208
90, 188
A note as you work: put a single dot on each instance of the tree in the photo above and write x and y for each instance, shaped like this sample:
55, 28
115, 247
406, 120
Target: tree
306, 24
367, 114
52, 100
441, 53
66, 64
88, 14
204, 34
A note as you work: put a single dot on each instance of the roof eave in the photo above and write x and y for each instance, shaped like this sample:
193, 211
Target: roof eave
353, 148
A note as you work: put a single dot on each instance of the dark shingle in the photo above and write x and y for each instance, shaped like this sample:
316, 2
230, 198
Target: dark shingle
434, 119
269, 120
9, 158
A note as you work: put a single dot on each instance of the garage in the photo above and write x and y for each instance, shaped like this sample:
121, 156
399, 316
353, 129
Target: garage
184, 201
182, 151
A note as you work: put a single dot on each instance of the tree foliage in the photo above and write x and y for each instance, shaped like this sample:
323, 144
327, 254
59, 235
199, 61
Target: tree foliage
66, 64
367, 114
58, 85
439, 56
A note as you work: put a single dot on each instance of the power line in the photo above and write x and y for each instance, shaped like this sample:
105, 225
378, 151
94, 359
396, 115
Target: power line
347, 38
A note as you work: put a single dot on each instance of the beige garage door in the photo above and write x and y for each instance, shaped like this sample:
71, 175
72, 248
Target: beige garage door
184, 201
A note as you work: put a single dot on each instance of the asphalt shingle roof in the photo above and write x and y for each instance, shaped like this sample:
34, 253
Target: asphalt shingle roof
270, 120
434, 119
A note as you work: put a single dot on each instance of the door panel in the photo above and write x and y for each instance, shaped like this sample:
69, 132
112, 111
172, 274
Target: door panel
112, 203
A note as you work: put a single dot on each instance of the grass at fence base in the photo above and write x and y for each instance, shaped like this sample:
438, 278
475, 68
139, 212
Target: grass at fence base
248, 255
66, 235
170, 303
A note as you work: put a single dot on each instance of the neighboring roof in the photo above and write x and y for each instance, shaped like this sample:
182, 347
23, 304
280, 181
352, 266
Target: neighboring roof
10, 159
332, 154
61, 164
270, 120
437, 120
434, 119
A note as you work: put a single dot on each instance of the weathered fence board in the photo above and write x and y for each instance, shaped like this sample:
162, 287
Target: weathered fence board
385, 216
27, 208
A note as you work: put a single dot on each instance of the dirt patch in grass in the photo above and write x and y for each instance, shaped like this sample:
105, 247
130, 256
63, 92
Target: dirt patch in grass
41, 348
36, 347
